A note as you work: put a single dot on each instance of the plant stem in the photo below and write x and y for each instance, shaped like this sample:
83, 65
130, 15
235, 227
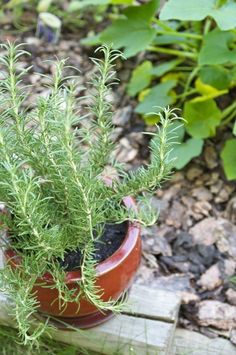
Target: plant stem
207, 26
180, 34
184, 94
228, 114
172, 52
190, 78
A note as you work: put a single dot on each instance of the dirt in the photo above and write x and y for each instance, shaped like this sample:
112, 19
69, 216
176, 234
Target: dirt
110, 241
192, 248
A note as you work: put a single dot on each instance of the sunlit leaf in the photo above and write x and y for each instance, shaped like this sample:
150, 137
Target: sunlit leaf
216, 48
134, 32
186, 151
223, 13
192, 10
164, 68
216, 76
229, 159
159, 96
207, 91
202, 118
225, 16
141, 78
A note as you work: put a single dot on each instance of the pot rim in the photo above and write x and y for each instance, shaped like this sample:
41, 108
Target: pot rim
129, 242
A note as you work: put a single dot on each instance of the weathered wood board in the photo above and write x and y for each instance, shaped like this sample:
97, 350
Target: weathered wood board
187, 342
147, 328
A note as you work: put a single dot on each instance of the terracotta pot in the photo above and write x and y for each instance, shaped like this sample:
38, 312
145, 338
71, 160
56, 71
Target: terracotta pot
114, 276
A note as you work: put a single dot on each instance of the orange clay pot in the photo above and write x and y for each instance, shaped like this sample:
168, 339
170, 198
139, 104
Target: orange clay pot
114, 276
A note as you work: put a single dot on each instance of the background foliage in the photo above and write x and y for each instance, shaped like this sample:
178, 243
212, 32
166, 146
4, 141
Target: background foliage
194, 66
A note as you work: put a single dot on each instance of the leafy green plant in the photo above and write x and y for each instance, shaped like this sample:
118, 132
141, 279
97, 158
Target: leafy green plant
51, 181
194, 42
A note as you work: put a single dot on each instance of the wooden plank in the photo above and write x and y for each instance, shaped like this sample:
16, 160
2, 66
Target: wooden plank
151, 303
123, 335
187, 342
148, 327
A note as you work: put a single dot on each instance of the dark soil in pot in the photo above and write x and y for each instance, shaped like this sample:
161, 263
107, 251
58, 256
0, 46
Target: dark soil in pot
111, 239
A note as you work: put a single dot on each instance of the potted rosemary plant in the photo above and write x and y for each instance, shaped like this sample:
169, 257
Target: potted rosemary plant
71, 237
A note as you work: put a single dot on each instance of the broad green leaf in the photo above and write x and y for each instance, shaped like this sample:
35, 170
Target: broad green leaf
209, 96
229, 159
159, 96
204, 89
141, 78
215, 76
76, 5
186, 151
186, 10
234, 129
216, 50
202, 118
225, 16
134, 32
207, 91
164, 68
91, 40
196, 10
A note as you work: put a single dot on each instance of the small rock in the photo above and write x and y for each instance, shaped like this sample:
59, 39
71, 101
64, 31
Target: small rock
224, 194
188, 201
210, 157
174, 282
233, 336
216, 187
125, 152
230, 212
212, 178
217, 314
150, 260
231, 296
116, 134
176, 215
122, 116
136, 138
202, 207
220, 231
170, 193
177, 177
211, 279
204, 232
202, 194
155, 243
193, 173
178, 283
229, 268
226, 237
145, 275
187, 297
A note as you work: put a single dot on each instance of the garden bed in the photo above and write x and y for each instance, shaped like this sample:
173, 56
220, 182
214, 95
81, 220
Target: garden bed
192, 249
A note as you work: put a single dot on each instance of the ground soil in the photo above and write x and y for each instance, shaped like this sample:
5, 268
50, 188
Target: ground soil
111, 239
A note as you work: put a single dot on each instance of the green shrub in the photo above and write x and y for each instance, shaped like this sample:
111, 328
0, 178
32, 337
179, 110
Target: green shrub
194, 42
